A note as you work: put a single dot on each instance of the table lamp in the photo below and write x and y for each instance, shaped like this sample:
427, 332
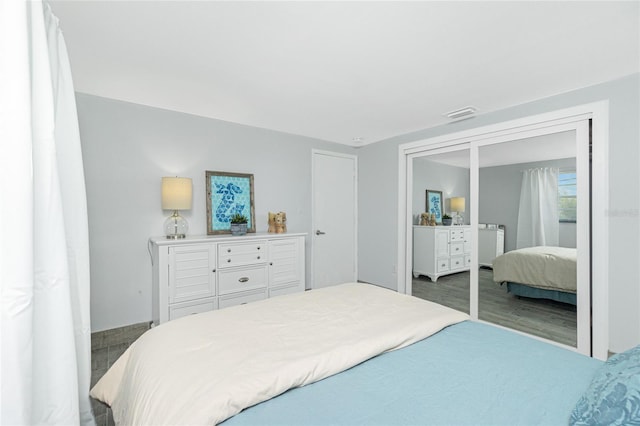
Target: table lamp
176, 195
458, 206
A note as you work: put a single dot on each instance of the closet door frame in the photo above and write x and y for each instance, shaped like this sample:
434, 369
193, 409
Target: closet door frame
597, 312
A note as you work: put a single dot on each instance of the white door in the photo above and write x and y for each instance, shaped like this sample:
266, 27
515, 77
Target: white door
334, 235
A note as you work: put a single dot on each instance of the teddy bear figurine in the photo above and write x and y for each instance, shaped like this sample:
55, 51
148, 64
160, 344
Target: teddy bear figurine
272, 223
281, 222
277, 223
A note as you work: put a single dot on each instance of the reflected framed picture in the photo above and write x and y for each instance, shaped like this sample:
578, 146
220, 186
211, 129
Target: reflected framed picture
228, 194
434, 204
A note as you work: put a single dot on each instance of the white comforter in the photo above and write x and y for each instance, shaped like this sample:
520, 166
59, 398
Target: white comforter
205, 368
549, 268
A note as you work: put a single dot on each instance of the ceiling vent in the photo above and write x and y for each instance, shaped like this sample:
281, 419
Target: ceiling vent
462, 113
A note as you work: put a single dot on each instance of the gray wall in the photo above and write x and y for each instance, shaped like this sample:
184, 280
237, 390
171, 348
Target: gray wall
378, 193
500, 198
452, 181
127, 148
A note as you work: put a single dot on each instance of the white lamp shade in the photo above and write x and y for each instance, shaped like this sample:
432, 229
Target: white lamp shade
457, 204
176, 193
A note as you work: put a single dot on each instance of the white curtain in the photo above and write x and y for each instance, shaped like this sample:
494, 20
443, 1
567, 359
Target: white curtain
538, 217
45, 336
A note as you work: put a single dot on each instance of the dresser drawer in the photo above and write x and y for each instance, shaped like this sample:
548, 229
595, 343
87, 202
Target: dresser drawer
238, 254
241, 299
442, 265
456, 235
457, 262
234, 280
457, 249
189, 308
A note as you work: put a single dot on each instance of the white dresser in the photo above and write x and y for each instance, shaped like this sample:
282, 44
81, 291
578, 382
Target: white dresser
203, 273
441, 250
490, 245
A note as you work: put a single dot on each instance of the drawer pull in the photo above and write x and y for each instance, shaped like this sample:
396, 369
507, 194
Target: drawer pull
228, 260
243, 279
213, 270
228, 250
258, 257
258, 247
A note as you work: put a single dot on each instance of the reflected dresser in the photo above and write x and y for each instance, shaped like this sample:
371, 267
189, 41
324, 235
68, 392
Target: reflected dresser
441, 250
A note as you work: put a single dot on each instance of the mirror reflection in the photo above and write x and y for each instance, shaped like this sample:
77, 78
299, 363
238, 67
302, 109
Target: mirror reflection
441, 230
527, 236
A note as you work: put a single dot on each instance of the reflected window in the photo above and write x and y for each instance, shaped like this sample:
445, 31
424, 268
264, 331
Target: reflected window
567, 201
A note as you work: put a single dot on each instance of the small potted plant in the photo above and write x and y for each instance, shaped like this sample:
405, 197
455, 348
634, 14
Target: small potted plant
446, 220
238, 224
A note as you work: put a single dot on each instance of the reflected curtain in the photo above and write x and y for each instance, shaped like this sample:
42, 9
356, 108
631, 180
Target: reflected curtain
45, 336
538, 217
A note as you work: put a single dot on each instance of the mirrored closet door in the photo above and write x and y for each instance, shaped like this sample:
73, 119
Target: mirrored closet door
441, 228
518, 253
527, 236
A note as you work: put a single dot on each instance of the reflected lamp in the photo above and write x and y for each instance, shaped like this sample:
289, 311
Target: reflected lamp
458, 206
176, 196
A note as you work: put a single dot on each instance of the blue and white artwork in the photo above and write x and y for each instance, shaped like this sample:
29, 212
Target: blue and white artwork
434, 204
230, 194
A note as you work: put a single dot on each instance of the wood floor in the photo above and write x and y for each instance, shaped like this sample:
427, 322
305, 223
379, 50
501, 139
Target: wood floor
544, 318
106, 348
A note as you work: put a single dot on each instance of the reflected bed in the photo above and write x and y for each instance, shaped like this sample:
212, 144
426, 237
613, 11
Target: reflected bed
539, 272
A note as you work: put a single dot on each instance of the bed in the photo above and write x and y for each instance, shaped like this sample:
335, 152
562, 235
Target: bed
539, 272
350, 354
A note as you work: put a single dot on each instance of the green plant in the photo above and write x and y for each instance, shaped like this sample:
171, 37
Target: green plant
446, 216
239, 218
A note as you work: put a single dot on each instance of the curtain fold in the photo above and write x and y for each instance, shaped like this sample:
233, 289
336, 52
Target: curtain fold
538, 217
45, 364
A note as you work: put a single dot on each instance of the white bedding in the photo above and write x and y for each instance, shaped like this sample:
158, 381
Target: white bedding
549, 268
205, 368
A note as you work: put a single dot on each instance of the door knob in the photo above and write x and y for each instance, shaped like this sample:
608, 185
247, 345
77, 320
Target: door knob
319, 232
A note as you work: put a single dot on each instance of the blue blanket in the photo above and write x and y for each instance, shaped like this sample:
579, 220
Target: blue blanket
468, 374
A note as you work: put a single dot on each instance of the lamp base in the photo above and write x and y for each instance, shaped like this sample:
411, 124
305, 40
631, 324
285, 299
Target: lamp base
175, 237
175, 227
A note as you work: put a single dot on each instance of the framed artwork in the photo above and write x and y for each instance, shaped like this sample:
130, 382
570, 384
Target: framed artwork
228, 194
434, 204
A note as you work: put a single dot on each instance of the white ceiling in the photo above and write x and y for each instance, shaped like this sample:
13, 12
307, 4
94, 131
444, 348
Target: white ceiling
343, 70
